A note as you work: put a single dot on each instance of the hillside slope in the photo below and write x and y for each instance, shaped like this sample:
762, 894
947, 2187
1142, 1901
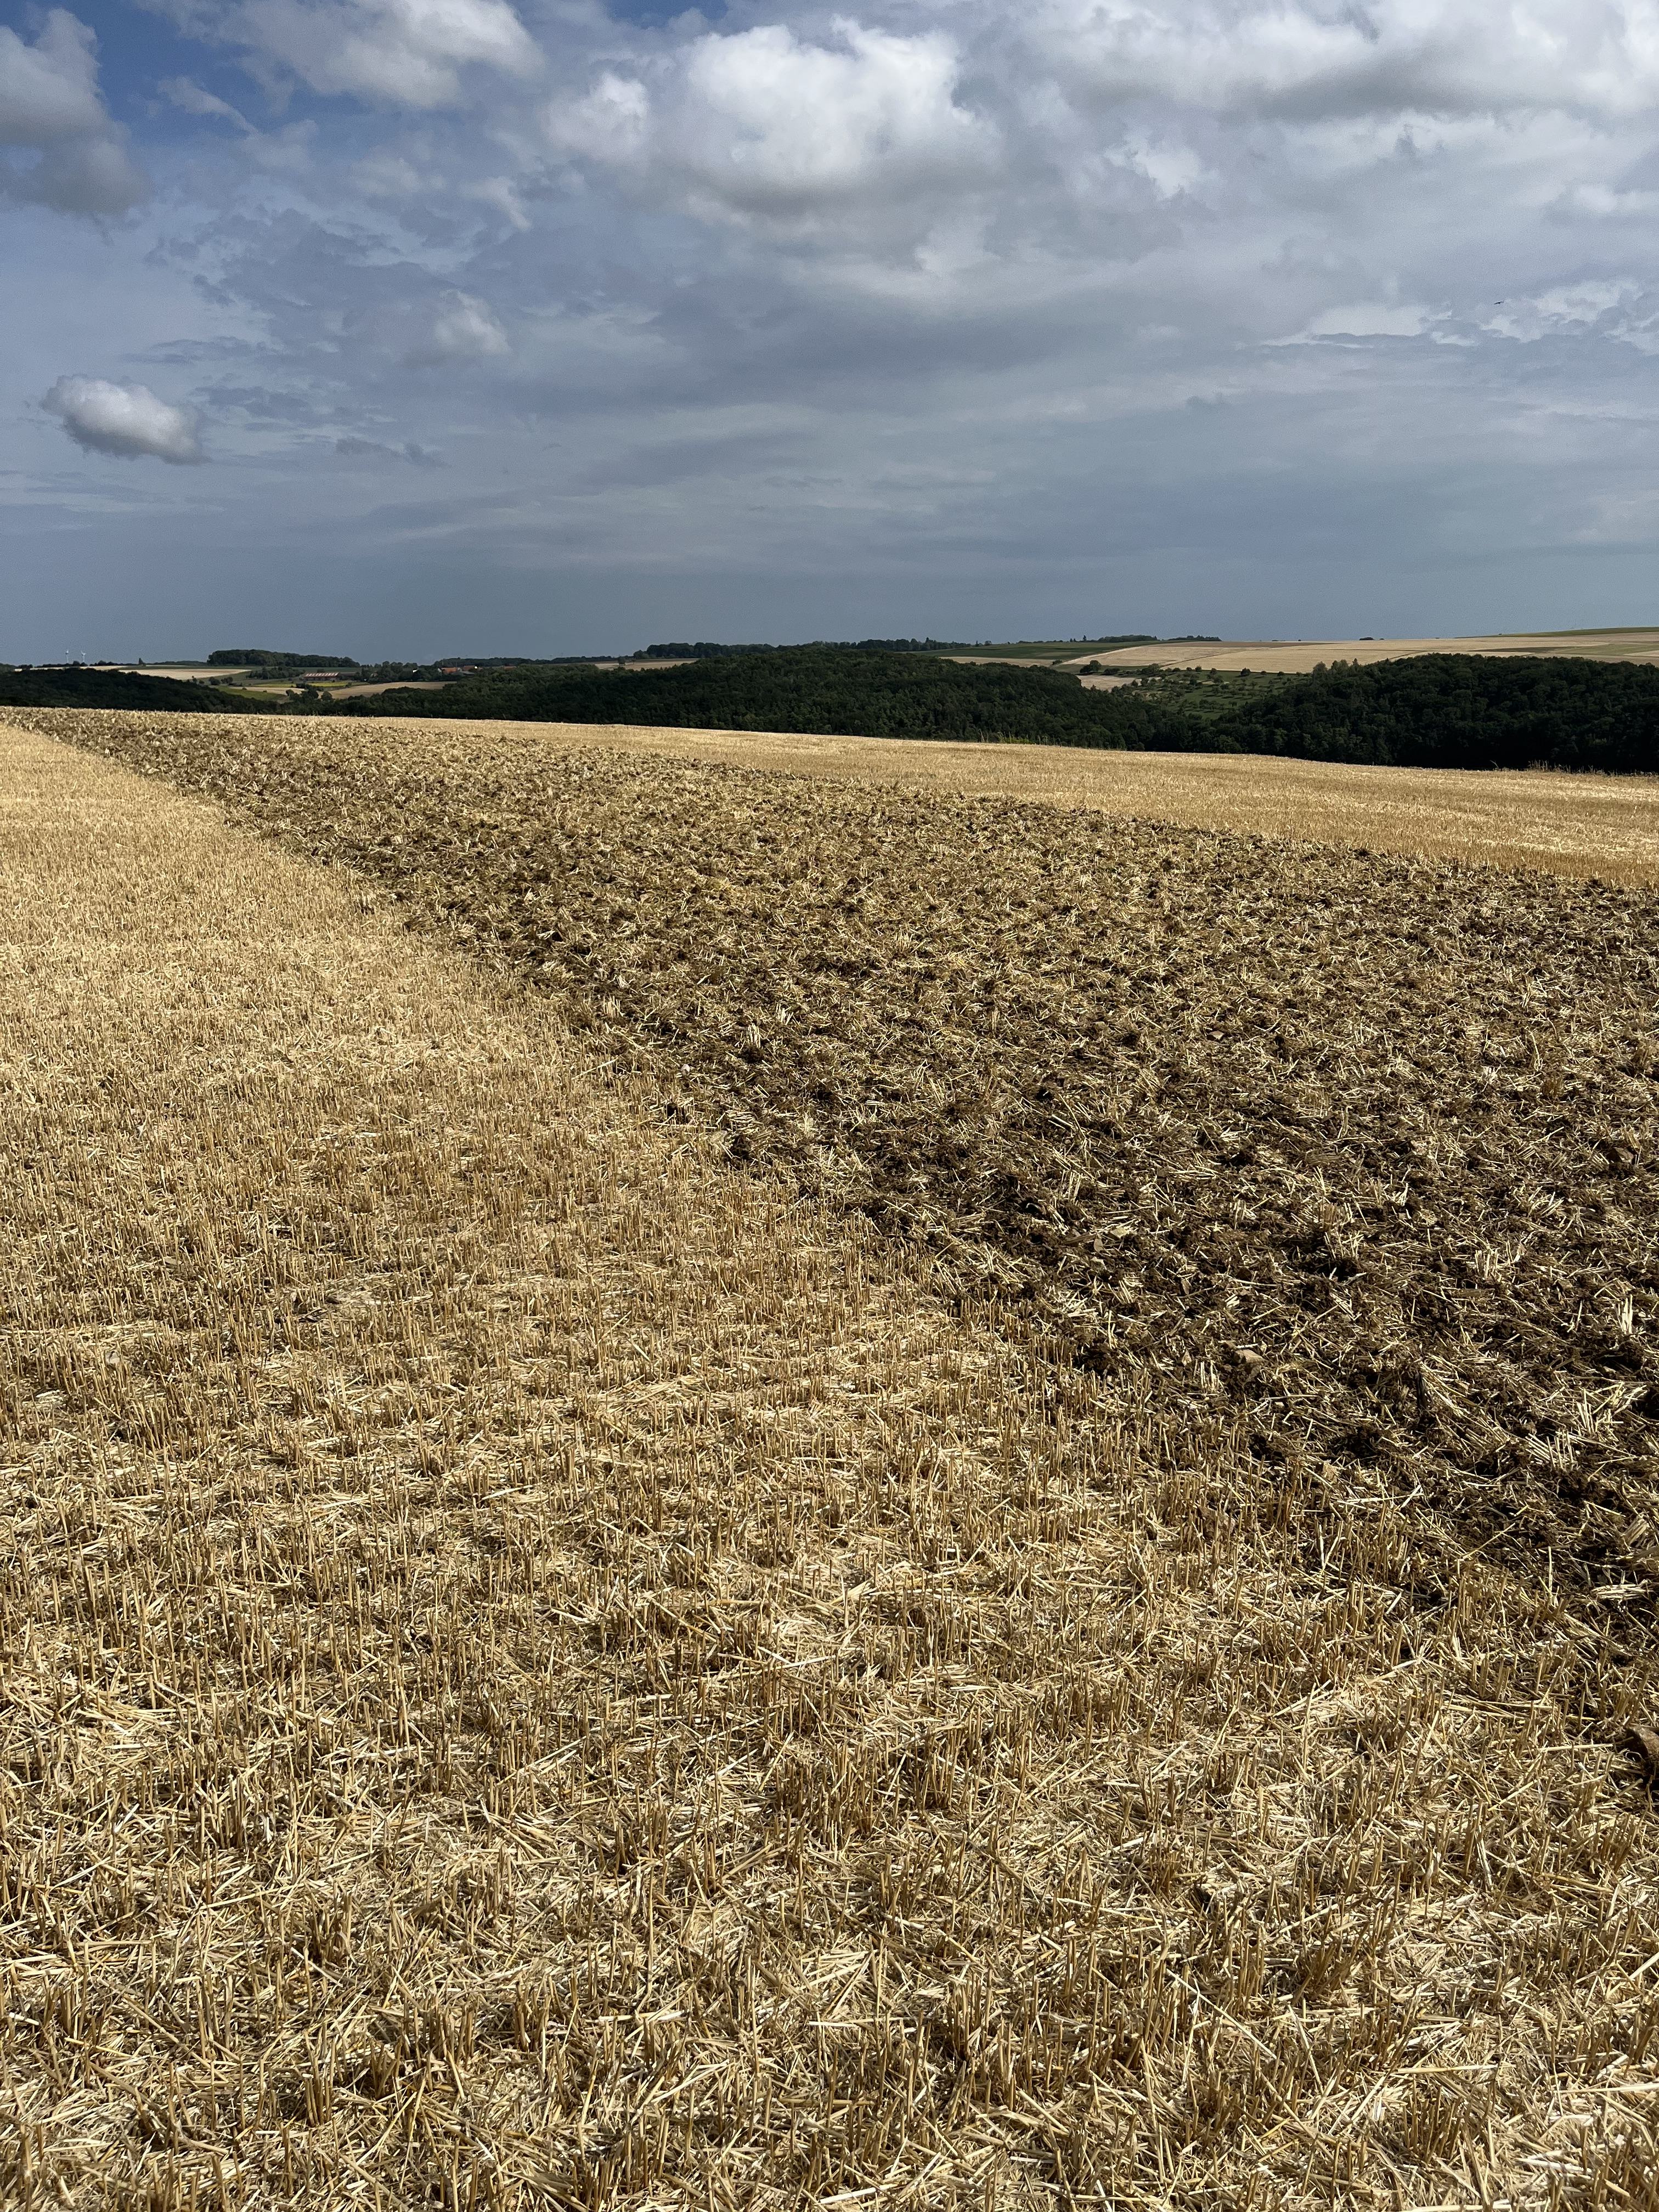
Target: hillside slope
1446, 710
120, 688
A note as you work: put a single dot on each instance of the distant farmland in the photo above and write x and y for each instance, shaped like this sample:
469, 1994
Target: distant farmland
1446, 710
1465, 711
761, 1488
1300, 656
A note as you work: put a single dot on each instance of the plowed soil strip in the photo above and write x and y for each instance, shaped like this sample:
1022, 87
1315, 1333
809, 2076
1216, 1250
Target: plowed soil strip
1356, 1154
535, 1671
1606, 827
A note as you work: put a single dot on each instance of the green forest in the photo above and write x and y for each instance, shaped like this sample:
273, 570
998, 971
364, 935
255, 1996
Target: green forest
117, 687
259, 656
1454, 710
1442, 710
832, 690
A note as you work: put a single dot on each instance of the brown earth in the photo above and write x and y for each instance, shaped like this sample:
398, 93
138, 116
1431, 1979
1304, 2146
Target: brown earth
1356, 1151
1601, 826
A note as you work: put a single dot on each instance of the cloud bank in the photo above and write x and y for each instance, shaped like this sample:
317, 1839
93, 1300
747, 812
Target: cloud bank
1128, 313
125, 420
1300, 61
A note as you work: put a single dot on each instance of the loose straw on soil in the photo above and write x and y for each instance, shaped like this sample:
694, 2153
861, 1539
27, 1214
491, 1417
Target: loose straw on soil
1572, 825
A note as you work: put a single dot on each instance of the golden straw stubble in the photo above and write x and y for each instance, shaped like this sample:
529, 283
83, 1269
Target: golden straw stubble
539, 1669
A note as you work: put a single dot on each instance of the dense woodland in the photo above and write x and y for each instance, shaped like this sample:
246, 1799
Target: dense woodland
116, 687
831, 690
1457, 710
1442, 710
257, 656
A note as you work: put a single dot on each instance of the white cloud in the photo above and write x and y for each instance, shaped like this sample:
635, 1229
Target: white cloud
386, 175
612, 124
1364, 319
1561, 311
1171, 167
502, 194
195, 99
126, 420
464, 329
1321, 57
49, 91
49, 105
409, 53
1599, 201
277, 152
763, 124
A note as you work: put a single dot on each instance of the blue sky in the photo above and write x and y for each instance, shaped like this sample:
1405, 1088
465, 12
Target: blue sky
429, 325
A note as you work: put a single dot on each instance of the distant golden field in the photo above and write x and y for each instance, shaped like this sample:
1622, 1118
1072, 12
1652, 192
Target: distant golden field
1281, 656
548, 1660
1300, 656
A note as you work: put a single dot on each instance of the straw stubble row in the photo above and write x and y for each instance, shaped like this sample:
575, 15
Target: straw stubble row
539, 1670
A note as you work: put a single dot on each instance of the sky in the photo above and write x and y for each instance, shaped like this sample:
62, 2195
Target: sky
411, 327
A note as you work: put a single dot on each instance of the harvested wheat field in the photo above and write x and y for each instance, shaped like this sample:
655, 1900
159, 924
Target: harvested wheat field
829, 1497
1283, 656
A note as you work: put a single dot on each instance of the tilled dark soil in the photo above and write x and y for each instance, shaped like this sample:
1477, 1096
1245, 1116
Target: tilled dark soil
1353, 1154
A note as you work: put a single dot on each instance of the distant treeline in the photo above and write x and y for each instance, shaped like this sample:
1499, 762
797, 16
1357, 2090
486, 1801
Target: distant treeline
1457, 710
1443, 710
270, 663
259, 656
115, 687
831, 690
703, 650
